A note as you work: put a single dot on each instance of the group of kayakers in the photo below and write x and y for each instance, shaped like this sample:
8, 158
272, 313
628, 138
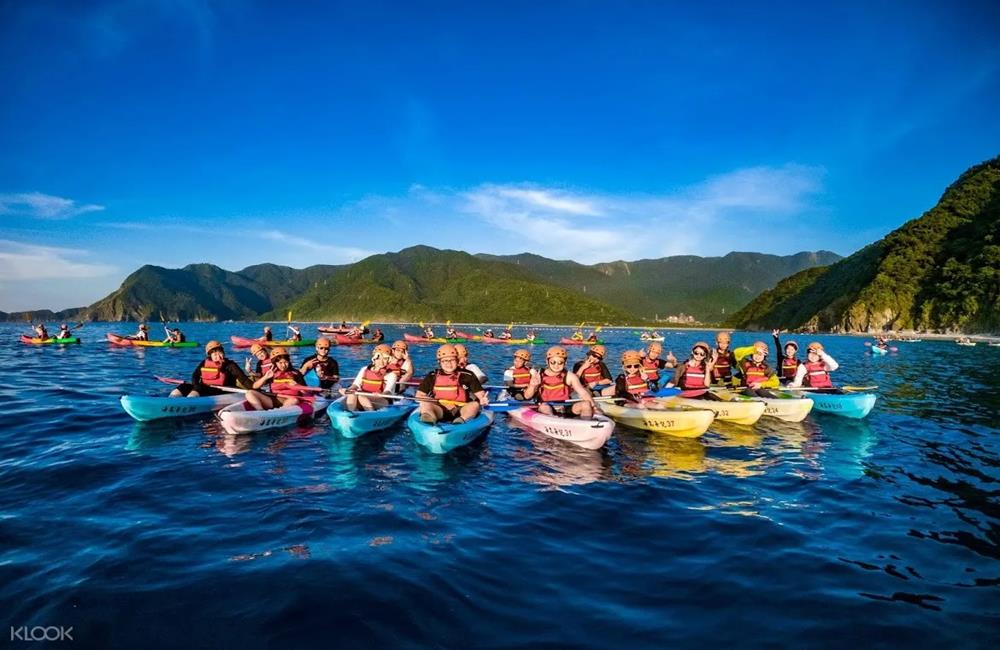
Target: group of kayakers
65, 331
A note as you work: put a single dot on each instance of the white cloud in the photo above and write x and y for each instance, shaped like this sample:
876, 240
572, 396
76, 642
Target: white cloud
341, 254
30, 262
43, 206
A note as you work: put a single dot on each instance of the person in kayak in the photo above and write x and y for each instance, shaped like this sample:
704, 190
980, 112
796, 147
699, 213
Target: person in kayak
296, 333
451, 333
263, 356
282, 380
593, 337
755, 371
696, 372
519, 375
463, 363
445, 393
577, 335
326, 367
142, 334
652, 364
488, 334
723, 358
881, 343
506, 334
631, 385
789, 362
400, 364
376, 377
591, 369
428, 332
815, 371
40, 331
175, 335
268, 335
214, 372
378, 335
555, 384
64, 332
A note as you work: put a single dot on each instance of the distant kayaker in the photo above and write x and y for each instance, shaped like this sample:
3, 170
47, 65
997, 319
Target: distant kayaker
401, 364
376, 377
696, 372
142, 334
789, 362
451, 332
378, 335
630, 385
489, 334
214, 371
41, 332
519, 375
263, 356
458, 393
755, 371
296, 333
355, 332
882, 343
556, 384
283, 381
591, 369
268, 336
428, 332
652, 364
64, 332
507, 334
815, 371
592, 338
175, 335
463, 363
326, 367
723, 358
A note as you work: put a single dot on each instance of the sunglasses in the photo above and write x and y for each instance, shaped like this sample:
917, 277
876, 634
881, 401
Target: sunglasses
320, 347
698, 353
631, 365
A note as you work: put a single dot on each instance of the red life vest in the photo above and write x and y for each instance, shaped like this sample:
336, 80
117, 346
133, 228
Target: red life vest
396, 366
636, 385
554, 388
211, 373
652, 367
753, 373
592, 375
693, 378
265, 366
722, 368
521, 376
283, 383
789, 366
372, 381
817, 376
448, 389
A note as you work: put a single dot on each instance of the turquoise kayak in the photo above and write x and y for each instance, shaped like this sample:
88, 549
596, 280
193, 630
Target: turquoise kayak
441, 438
145, 408
357, 423
877, 351
848, 405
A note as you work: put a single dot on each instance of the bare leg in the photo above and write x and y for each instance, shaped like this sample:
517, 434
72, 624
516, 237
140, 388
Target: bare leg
583, 410
351, 402
545, 409
259, 401
469, 411
430, 413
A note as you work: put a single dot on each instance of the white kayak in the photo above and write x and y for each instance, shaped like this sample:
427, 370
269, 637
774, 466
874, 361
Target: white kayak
679, 422
783, 406
236, 418
589, 434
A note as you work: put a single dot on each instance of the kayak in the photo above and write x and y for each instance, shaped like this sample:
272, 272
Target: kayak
241, 342
337, 330
440, 438
37, 341
357, 423
589, 434
783, 406
566, 341
410, 338
349, 340
535, 341
732, 410
145, 408
877, 351
849, 405
236, 418
651, 338
467, 336
115, 339
679, 422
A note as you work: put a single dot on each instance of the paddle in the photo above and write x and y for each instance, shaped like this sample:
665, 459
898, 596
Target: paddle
850, 389
171, 380
512, 404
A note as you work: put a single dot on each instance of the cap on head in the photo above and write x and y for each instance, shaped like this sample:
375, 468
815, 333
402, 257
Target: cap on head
447, 351
211, 346
522, 354
267, 328
556, 352
815, 346
598, 350
631, 356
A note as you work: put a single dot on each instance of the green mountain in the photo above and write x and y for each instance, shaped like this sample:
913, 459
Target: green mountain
42, 316
707, 288
422, 283
940, 271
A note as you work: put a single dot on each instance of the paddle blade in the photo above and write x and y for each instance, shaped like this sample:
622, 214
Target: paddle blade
667, 391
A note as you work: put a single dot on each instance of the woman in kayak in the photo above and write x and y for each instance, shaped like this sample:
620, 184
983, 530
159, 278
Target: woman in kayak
593, 337
378, 335
214, 372
283, 381
815, 371
463, 363
630, 385
591, 369
376, 377
142, 334
41, 332
723, 358
400, 364
488, 334
64, 332
506, 334
268, 336
755, 371
175, 335
789, 362
263, 356
519, 375
326, 367
555, 384
450, 394
428, 332
652, 364
696, 372
451, 333
296, 333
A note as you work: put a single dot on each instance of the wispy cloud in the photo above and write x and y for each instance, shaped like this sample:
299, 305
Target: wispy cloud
339, 254
20, 261
43, 206
160, 226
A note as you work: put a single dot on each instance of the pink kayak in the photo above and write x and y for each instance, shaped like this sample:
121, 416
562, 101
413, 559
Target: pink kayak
589, 434
350, 340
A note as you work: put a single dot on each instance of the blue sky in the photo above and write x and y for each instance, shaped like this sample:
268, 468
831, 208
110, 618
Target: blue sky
136, 132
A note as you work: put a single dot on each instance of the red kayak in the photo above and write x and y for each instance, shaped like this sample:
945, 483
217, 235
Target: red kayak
240, 342
348, 340
565, 341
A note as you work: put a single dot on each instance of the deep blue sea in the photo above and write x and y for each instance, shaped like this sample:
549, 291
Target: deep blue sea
883, 532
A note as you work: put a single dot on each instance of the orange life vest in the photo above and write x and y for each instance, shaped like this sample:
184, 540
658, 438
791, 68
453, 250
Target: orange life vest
789, 366
396, 366
753, 373
554, 388
521, 376
652, 367
817, 375
284, 383
372, 381
211, 373
592, 376
693, 378
722, 368
447, 388
636, 385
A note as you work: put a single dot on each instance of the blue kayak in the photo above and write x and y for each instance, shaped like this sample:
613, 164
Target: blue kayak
848, 405
441, 438
877, 351
145, 407
358, 423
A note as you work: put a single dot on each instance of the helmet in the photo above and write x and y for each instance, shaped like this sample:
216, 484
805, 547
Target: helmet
267, 328
460, 350
631, 356
759, 346
143, 326
400, 345
722, 337
257, 347
815, 345
279, 352
447, 351
793, 344
212, 345
522, 354
598, 350
381, 350
656, 345
704, 346
556, 351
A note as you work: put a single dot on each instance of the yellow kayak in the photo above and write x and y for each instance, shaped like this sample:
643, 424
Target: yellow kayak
734, 410
783, 406
680, 422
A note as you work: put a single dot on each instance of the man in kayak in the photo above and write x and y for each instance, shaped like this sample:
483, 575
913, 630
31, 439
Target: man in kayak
555, 384
789, 362
652, 364
451, 332
519, 375
696, 372
815, 371
591, 369
283, 381
488, 334
296, 333
263, 356
428, 332
268, 336
41, 332
630, 386
593, 337
175, 335
400, 364
142, 334
64, 332
214, 372
376, 377
723, 358
326, 367
445, 393
755, 371
506, 334
463, 363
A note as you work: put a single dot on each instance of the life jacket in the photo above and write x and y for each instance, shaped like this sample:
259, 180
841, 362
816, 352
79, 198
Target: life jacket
722, 368
447, 388
264, 366
284, 383
554, 388
211, 373
817, 375
636, 385
753, 373
592, 376
372, 381
522, 376
396, 366
693, 378
789, 366
652, 367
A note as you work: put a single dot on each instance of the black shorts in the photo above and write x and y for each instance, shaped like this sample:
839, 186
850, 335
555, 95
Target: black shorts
203, 390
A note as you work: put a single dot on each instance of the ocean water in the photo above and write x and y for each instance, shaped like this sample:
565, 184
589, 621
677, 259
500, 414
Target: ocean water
884, 531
